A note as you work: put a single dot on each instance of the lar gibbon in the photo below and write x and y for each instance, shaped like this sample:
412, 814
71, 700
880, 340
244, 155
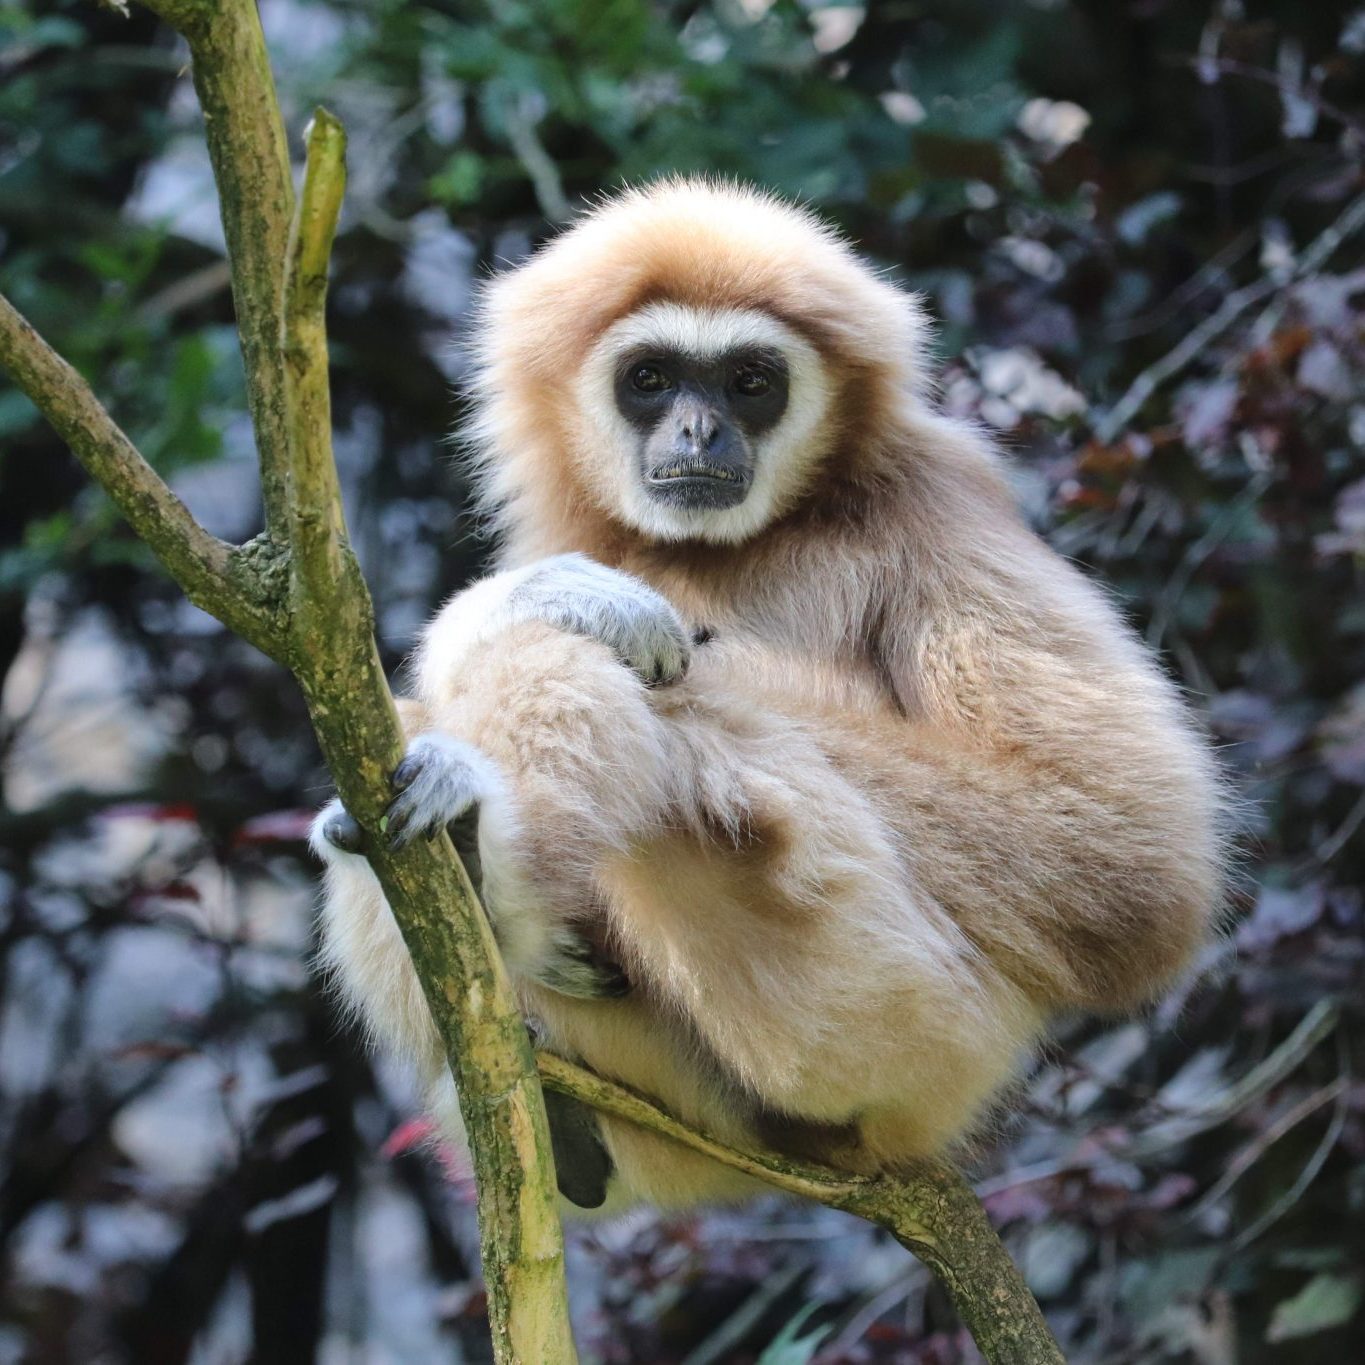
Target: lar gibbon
808, 783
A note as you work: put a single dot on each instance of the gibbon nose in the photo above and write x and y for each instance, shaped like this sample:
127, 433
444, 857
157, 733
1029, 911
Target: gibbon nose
698, 458
699, 429
702, 436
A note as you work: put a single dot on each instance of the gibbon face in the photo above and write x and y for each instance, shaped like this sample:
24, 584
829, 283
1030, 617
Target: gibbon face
712, 417
685, 363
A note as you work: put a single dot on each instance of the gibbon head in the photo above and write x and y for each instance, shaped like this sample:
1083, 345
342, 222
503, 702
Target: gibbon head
685, 363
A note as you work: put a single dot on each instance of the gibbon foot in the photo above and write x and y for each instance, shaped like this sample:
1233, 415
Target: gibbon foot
340, 829
640, 626
441, 780
577, 968
583, 1166
441, 784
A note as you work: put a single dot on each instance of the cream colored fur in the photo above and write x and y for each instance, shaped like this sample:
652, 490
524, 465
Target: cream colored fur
922, 790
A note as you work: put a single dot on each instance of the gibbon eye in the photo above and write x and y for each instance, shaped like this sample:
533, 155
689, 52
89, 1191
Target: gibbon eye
648, 379
752, 382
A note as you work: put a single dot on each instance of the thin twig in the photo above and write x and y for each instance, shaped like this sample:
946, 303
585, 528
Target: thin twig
316, 521
187, 291
1328, 849
250, 155
537, 162
1291, 1196
724, 1339
1194, 344
1254, 1150
1209, 274
807, 1179
1228, 66
1316, 1025
1178, 1128
1198, 551
874, 1308
1348, 222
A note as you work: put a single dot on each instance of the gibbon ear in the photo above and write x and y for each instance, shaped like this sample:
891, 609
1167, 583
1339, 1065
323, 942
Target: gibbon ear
583, 1166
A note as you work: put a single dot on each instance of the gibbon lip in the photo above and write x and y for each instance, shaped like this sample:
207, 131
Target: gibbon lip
688, 471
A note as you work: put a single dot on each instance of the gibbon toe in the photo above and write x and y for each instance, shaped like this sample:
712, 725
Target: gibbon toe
577, 967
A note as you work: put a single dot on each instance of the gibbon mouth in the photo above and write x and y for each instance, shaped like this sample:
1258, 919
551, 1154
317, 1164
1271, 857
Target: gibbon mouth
696, 483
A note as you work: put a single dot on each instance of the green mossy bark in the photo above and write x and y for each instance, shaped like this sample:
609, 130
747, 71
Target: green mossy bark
332, 653
250, 156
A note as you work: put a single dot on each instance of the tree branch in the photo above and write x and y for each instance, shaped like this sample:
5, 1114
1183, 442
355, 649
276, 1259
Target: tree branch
1197, 341
206, 567
250, 156
333, 655
316, 518
928, 1207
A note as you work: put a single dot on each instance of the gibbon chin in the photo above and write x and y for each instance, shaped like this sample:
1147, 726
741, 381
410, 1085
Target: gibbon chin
803, 782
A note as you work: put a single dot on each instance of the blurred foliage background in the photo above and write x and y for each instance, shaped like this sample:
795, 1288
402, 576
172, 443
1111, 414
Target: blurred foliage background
1140, 225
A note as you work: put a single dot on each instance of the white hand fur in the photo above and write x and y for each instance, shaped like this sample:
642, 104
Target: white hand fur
570, 592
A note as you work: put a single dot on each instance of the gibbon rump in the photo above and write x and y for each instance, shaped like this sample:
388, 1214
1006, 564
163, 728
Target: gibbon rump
809, 783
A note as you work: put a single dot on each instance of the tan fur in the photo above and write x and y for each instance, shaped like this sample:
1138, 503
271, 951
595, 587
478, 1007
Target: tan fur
922, 791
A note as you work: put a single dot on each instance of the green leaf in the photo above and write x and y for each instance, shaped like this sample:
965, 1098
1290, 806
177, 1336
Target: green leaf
1326, 1301
461, 180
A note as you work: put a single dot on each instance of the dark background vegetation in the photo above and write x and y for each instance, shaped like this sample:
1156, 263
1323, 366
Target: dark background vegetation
197, 1160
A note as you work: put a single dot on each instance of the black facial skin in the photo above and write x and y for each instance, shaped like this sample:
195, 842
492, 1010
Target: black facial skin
698, 420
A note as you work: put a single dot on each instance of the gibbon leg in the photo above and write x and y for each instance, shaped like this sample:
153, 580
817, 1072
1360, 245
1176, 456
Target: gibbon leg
778, 948
780, 958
